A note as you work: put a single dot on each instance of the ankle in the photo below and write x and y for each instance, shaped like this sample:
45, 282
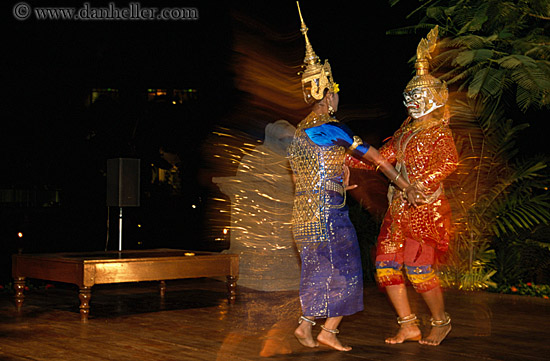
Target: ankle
408, 325
442, 322
333, 331
306, 321
408, 321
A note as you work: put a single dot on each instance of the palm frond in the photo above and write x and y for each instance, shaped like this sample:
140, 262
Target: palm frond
466, 57
543, 245
488, 82
393, 2
516, 60
501, 189
539, 52
427, 4
478, 18
437, 13
532, 80
466, 74
470, 41
520, 213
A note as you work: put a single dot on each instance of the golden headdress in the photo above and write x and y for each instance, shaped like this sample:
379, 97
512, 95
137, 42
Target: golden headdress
316, 77
423, 79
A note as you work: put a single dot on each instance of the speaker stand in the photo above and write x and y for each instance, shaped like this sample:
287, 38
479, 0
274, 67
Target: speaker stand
120, 230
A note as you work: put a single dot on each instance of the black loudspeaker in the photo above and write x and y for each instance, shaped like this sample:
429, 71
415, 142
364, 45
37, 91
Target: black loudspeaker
123, 184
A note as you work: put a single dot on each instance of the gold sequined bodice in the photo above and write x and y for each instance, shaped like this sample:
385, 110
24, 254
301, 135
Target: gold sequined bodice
317, 170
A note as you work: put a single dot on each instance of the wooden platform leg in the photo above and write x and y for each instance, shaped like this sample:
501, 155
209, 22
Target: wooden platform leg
162, 288
85, 294
19, 286
231, 289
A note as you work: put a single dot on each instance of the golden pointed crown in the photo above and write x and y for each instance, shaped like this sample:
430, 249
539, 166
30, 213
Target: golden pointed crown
423, 78
316, 77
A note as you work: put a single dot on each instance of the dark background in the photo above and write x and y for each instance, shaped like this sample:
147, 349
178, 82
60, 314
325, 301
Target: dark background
54, 141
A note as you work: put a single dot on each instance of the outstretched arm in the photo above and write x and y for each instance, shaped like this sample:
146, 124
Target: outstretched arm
330, 134
413, 194
386, 151
353, 162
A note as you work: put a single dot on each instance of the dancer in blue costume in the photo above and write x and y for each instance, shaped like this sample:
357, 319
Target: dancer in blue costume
331, 280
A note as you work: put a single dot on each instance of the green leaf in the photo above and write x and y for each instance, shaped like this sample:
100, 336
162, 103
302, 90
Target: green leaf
465, 58
471, 41
477, 21
436, 13
488, 82
538, 244
516, 60
505, 34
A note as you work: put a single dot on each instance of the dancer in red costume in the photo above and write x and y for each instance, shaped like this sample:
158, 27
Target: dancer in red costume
424, 152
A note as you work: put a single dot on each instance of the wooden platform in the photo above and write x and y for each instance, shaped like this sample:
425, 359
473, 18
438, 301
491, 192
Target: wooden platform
195, 322
88, 269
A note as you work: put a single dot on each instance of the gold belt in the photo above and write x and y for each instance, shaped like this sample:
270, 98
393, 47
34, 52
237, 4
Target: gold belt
336, 187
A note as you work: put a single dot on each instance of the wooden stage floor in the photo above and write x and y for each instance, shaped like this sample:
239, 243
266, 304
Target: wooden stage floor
194, 322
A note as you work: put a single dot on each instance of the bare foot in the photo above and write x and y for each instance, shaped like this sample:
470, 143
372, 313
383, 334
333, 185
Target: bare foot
274, 347
330, 340
436, 336
304, 336
276, 343
409, 333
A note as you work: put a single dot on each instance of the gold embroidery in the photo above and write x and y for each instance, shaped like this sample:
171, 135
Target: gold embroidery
315, 168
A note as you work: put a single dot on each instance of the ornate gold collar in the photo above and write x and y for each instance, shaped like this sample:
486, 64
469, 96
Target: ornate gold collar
314, 119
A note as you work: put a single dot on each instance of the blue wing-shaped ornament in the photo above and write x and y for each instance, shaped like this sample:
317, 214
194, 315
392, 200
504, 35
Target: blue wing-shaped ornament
335, 133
